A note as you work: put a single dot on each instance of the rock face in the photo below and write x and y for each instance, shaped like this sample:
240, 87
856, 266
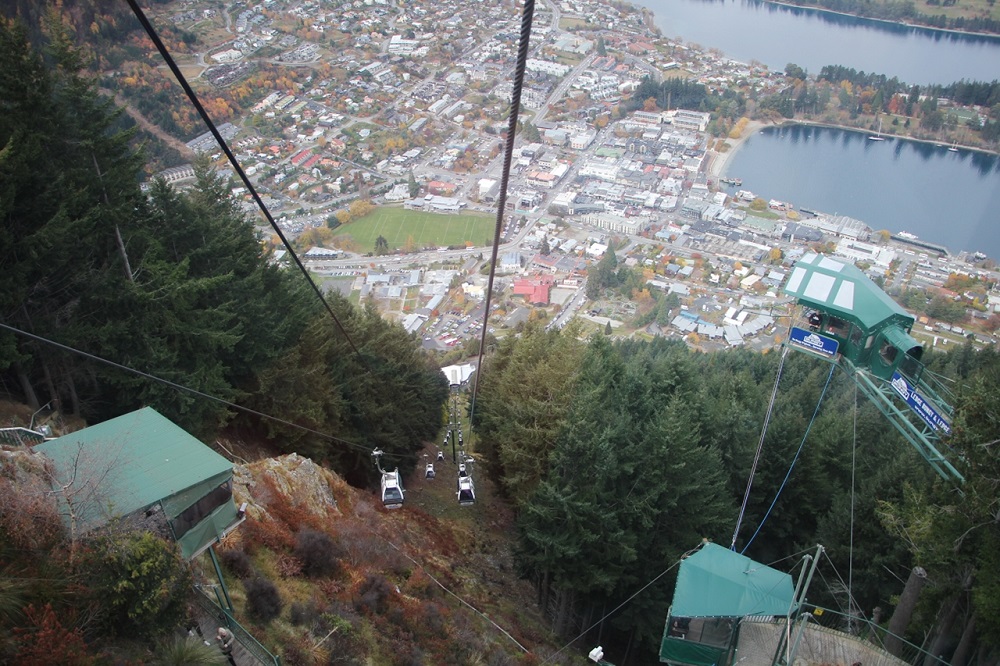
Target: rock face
297, 479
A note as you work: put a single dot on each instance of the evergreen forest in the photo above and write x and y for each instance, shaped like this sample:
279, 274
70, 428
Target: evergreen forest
621, 456
177, 286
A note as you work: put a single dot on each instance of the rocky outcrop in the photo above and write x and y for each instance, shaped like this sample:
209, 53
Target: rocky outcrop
298, 480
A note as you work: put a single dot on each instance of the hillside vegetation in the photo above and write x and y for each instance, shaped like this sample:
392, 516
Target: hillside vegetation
176, 285
621, 456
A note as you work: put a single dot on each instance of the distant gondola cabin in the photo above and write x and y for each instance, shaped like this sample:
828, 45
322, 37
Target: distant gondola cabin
144, 470
872, 330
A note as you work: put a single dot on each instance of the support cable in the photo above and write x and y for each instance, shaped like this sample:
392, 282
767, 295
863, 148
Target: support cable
852, 602
760, 446
854, 457
182, 387
527, 16
442, 586
619, 606
794, 460
193, 97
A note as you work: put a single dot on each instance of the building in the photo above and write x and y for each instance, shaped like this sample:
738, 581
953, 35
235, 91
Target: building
143, 469
546, 67
691, 120
583, 140
535, 290
615, 223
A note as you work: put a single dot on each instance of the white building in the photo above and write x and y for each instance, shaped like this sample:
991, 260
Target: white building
546, 67
582, 141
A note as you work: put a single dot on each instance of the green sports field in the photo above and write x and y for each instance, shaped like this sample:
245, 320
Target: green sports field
398, 225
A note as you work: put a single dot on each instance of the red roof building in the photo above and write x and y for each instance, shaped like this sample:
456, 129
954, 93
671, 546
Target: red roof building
535, 290
441, 188
301, 157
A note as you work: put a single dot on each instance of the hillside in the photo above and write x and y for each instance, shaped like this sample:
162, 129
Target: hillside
319, 573
400, 584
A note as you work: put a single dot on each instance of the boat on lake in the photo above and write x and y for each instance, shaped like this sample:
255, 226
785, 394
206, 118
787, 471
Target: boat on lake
736, 182
878, 135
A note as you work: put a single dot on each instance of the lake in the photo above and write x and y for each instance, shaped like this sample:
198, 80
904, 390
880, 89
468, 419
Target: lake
950, 198
776, 35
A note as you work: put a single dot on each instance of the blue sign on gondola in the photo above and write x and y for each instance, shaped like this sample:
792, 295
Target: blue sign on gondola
814, 342
919, 404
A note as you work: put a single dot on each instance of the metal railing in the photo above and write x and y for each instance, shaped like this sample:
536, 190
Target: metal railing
243, 637
864, 631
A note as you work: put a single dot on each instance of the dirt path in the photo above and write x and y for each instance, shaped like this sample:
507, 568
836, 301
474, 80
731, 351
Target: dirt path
149, 126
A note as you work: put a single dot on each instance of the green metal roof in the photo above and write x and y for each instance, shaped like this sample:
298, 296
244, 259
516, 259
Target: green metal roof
130, 463
718, 582
842, 289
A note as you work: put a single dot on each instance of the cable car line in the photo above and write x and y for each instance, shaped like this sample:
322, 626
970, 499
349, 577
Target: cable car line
527, 16
193, 97
760, 446
182, 387
854, 458
443, 587
620, 606
795, 459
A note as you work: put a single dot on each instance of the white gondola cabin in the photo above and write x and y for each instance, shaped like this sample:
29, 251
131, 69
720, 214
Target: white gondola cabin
392, 490
466, 491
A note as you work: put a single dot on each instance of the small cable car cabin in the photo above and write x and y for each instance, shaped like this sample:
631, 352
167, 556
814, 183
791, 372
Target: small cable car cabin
466, 491
392, 490
852, 322
871, 329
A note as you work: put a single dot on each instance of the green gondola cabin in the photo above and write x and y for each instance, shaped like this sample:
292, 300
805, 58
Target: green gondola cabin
871, 330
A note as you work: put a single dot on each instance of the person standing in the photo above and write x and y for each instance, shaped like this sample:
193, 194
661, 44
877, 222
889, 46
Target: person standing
226, 641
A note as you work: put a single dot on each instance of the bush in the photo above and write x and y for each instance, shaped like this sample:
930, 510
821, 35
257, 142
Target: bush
318, 553
140, 582
238, 563
303, 614
188, 651
373, 595
263, 600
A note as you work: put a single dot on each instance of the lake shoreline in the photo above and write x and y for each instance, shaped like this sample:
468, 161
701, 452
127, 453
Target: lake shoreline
918, 26
717, 165
719, 162
933, 142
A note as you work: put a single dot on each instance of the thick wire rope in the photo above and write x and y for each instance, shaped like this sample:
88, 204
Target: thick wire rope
788, 557
791, 467
193, 97
527, 15
760, 447
854, 457
182, 387
619, 606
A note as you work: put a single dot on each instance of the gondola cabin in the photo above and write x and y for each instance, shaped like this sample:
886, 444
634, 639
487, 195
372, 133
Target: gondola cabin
851, 316
392, 490
466, 491
851, 322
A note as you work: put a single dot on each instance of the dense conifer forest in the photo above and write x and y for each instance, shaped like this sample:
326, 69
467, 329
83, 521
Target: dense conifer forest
621, 456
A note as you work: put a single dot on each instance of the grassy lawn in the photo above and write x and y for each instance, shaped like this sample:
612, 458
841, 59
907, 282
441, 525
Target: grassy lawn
398, 225
766, 214
571, 23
